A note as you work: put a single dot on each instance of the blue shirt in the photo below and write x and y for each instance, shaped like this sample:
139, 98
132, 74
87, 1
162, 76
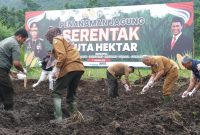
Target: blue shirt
194, 68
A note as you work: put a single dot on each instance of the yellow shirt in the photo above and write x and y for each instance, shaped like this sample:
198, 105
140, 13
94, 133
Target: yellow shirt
67, 56
118, 70
161, 63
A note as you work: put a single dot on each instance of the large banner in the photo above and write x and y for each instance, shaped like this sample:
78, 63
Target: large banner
116, 34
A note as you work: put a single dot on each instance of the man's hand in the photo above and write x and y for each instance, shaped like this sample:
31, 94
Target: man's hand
185, 94
56, 72
127, 87
13, 74
192, 92
123, 82
145, 89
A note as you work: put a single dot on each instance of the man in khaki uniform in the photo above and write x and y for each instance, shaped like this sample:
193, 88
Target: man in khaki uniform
161, 67
114, 73
67, 71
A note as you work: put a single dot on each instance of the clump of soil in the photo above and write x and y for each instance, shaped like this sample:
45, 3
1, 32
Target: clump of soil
129, 114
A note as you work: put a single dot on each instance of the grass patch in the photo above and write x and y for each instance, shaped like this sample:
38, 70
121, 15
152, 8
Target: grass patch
99, 73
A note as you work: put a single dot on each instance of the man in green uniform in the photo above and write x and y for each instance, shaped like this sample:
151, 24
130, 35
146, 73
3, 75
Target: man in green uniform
161, 67
9, 56
67, 71
115, 72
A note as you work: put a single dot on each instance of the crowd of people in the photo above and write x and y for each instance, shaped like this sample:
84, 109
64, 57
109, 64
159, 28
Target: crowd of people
64, 68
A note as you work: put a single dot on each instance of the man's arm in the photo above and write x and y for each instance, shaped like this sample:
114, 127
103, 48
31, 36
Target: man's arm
191, 88
126, 71
18, 65
158, 75
192, 83
16, 58
152, 77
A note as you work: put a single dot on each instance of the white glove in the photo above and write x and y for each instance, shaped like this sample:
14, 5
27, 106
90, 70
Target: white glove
192, 92
127, 88
145, 89
34, 85
21, 76
55, 72
198, 67
185, 94
150, 83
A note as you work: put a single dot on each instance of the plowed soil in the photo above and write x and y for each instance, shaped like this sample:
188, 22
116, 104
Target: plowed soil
129, 114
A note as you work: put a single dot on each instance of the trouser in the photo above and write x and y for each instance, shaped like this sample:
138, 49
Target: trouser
170, 80
6, 90
68, 82
43, 77
112, 85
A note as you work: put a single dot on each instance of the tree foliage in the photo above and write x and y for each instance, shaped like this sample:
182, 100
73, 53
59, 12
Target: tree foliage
31, 5
11, 18
5, 31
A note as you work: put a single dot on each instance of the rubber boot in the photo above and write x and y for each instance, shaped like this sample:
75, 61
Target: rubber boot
72, 107
167, 99
57, 109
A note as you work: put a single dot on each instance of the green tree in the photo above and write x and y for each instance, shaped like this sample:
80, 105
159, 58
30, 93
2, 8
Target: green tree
92, 4
11, 18
5, 31
69, 6
197, 31
31, 5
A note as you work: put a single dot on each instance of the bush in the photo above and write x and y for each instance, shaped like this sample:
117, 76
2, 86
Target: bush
5, 32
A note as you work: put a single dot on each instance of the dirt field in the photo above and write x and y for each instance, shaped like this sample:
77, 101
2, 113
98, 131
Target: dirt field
132, 114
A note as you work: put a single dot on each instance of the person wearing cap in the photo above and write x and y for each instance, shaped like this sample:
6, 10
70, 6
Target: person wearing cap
67, 71
161, 67
194, 66
47, 67
10, 56
114, 73
34, 43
